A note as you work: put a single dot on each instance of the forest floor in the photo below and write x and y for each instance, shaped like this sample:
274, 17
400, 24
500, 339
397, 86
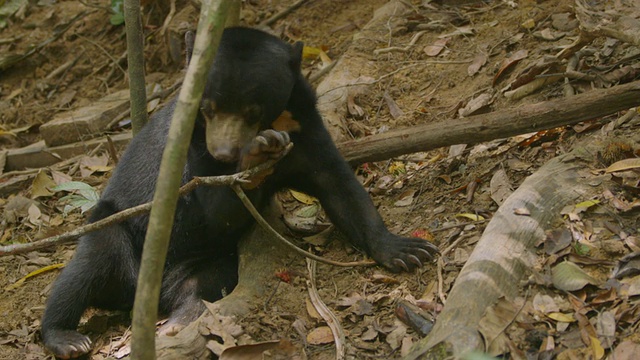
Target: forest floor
453, 58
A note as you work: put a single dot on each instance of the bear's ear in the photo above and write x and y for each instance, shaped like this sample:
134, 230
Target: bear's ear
296, 55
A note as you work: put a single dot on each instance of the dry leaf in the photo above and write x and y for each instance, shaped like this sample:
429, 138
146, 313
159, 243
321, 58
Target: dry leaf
320, 335
424, 233
348, 301
41, 185
557, 240
385, 279
394, 338
397, 167
500, 187
154, 89
56, 220
549, 35
626, 350
478, 62
309, 52
626, 164
528, 24
544, 304
34, 214
633, 242
456, 150
634, 285
436, 48
472, 217
303, 198
91, 164
370, 334
628, 265
17, 208
495, 320
249, 351
60, 177
406, 198
405, 348
66, 98
508, 63
311, 310
354, 109
476, 104
558, 316
320, 239
596, 347
606, 328
395, 111
564, 21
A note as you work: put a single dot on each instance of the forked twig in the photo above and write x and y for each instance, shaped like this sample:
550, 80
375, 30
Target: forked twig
234, 180
238, 178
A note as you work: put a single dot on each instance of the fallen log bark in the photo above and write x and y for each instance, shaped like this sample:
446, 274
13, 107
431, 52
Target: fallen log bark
475, 129
495, 125
505, 253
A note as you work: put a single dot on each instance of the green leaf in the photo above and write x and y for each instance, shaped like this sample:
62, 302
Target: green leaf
90, 194
116, 19
83, 196
10, 7
581, 249
570, 277
72, 185
117, 7
74, 201
587, 204
307, 211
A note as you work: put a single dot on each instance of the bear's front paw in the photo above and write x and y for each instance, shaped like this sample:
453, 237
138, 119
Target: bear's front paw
67, 344
403, 254
268, 144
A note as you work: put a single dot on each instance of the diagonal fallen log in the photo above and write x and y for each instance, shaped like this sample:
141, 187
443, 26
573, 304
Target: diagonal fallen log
474, 129
494, 125
506, 252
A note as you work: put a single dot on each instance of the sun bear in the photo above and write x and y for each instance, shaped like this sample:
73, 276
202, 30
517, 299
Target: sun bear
255, 79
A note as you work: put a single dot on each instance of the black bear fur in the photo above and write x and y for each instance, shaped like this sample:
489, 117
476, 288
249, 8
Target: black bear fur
256, 77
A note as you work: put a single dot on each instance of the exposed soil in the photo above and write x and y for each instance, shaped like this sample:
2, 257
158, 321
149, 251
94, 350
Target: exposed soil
416, 194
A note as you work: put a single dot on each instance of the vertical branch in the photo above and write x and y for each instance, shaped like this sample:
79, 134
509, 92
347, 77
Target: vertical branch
145, 308
233, 17
135, 60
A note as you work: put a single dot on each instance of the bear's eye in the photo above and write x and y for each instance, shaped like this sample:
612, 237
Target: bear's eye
252, 114
207, 106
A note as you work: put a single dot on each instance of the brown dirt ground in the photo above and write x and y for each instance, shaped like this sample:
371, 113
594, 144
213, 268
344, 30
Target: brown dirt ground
426, 88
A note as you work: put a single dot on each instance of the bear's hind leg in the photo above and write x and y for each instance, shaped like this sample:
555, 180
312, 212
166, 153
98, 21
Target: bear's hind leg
102, 273
185, 286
